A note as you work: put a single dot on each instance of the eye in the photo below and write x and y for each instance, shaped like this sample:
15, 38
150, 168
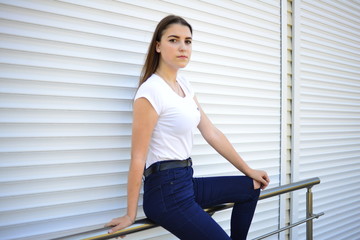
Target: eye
173, 40
188, 41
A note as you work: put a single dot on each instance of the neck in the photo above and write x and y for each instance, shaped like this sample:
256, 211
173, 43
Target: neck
167, 74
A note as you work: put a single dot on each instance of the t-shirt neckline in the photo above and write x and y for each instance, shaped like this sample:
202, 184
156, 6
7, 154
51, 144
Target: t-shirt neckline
180, 84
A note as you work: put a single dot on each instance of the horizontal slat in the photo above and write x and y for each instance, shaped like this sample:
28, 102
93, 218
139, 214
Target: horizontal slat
62, 15
26, 101
23, 72
333, 14
30, 201
63, 143
62, 116
26, 44
64, 130
205, 13
63, 170
15, 159
36, 186
33, 87
66, 63
61, 211
25, 30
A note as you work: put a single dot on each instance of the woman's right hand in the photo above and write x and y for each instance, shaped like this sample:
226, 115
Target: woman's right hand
119, 223
260, 177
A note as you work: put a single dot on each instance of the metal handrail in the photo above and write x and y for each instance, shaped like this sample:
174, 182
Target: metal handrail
143, 224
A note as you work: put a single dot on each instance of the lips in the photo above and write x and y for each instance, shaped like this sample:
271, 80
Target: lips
182, 57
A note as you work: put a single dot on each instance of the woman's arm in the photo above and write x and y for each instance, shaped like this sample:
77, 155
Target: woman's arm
221, 144
144, 121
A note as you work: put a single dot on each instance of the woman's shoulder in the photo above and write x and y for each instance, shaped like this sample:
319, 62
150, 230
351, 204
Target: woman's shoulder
151, 81
152, 86
150, 90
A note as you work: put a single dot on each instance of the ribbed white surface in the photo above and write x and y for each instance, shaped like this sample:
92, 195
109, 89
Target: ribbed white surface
69, 71
328, 115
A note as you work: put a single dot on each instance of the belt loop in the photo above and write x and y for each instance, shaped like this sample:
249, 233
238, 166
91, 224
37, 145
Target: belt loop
158, 164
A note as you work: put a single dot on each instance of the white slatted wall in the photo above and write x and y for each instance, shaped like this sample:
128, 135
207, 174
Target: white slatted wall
327, 115
69, 70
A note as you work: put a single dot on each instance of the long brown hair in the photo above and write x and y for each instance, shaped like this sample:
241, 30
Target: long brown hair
153, 57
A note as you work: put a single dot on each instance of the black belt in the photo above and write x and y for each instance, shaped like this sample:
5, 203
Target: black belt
161, 166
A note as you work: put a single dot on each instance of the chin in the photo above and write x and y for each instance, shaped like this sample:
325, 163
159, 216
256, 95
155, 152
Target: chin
182, 65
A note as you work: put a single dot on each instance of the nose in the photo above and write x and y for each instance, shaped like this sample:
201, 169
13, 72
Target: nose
182, 46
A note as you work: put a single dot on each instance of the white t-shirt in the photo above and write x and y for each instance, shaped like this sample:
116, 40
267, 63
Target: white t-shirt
172, 138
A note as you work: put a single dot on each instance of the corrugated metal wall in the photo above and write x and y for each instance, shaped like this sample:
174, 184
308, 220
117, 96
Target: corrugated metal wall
327, 114
69, 70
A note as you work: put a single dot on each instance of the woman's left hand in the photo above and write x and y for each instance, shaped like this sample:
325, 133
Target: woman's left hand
260, 176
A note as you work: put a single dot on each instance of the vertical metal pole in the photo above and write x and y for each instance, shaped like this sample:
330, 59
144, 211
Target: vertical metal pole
309, 213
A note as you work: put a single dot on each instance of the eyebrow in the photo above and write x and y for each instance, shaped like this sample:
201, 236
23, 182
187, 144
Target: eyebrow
175, 36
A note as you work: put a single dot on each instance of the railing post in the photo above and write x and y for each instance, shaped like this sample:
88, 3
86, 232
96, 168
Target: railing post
309, 213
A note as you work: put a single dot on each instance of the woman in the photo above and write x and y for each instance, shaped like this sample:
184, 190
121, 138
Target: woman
165, 115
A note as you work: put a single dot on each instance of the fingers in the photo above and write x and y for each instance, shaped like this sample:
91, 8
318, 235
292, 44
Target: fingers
118, 224
264, 184
257, 184
267, 178
265, 181
113, 222
262, 178
116, 228
110, 224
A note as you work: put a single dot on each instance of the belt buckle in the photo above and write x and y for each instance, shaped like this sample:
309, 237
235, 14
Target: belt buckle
188, 162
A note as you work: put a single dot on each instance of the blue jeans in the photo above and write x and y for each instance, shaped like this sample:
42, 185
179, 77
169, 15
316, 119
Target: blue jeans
175, 200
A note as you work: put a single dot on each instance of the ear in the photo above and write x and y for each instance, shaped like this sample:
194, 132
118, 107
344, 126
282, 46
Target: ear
157, 47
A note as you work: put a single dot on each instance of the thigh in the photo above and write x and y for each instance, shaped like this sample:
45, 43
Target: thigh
170, 202
210, 191
193, 224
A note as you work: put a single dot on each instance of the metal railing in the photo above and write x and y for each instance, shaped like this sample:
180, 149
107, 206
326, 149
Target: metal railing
143, 224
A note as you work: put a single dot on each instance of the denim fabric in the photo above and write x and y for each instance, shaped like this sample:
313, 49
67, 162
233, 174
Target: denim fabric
175, 200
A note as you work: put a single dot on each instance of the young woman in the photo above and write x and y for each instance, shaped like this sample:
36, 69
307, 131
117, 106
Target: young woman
165, 115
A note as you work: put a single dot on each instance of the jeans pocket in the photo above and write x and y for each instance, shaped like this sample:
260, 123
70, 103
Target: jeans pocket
153, 202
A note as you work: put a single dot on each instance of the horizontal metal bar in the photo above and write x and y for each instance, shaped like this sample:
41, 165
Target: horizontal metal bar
272, 192
138, 226
288, 227
144, 224
308, 183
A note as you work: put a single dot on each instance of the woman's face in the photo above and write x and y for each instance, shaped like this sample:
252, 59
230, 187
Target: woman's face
175, 46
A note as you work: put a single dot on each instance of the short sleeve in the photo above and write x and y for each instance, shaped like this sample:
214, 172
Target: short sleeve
148, 91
